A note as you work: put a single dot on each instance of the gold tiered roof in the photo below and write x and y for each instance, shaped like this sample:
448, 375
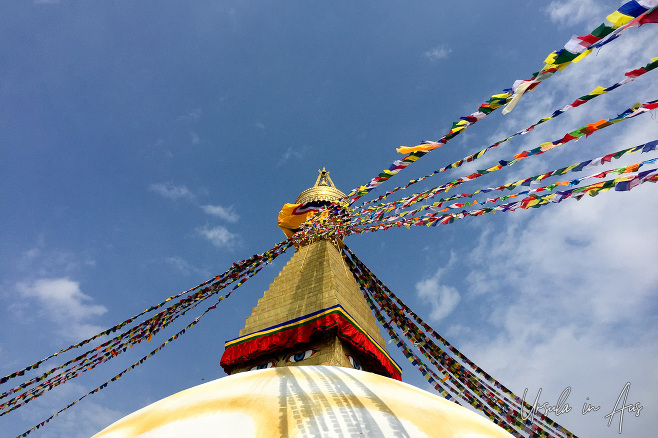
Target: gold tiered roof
324, 189
314, 281
315, 293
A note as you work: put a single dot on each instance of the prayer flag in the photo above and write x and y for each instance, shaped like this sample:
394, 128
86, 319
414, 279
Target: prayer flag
292, 216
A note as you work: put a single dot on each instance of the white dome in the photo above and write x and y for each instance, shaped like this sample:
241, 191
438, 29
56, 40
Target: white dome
305, 401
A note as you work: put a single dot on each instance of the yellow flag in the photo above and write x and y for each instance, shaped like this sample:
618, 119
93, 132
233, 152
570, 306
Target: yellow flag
292, 216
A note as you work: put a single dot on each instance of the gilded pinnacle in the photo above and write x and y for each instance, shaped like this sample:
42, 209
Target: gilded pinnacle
323, 190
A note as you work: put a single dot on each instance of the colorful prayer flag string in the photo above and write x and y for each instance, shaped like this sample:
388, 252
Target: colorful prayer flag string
22, 371
586, 130
372, 214
632, 14
238, 274
462, 379
630, 76
623, 183
126, 370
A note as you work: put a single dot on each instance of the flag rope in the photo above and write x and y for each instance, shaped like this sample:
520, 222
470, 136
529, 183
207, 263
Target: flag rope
239, 273
463, 378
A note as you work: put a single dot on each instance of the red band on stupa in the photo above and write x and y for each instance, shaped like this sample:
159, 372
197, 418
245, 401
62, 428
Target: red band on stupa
297, 331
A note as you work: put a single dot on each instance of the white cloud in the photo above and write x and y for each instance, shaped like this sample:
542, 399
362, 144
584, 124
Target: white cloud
573, 12
63, 303
228, 214
442, 298
171, 191
87, 420
565, 295
440, 52
568, 286
83, 420
605, 68
292, 153
45, 263
192, 116
232, 14
185, 267
180, 264
219, 236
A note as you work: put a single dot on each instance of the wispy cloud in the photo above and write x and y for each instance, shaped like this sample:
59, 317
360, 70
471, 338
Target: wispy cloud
176, 192
442, 298
292, 154
556, 292
40, 261
63, 302
437, 53
571, 12
219, 236
558, 301
192, 116
172, 191
185, 267
84, 421
232, 15
227, 214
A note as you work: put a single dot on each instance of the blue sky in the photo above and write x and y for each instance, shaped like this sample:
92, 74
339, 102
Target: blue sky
145, 146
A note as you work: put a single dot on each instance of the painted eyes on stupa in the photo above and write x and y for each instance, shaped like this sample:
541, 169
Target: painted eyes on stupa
262, 366
354, 363
303, 355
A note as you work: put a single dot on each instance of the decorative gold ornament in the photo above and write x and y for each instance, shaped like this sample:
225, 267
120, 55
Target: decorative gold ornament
324, 189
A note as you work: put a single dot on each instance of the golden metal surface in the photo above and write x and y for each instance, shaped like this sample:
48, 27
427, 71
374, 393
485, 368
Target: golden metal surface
315, 278
324, 189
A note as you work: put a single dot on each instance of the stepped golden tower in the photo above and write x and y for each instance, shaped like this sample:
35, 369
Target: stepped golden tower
313, 313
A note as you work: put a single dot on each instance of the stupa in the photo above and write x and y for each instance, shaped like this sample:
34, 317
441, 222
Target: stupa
309, 362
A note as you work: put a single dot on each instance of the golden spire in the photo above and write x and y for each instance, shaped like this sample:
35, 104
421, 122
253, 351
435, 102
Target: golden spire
324, 189
315, 306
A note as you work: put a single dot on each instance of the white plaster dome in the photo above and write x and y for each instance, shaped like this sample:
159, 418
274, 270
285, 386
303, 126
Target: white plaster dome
304, 401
